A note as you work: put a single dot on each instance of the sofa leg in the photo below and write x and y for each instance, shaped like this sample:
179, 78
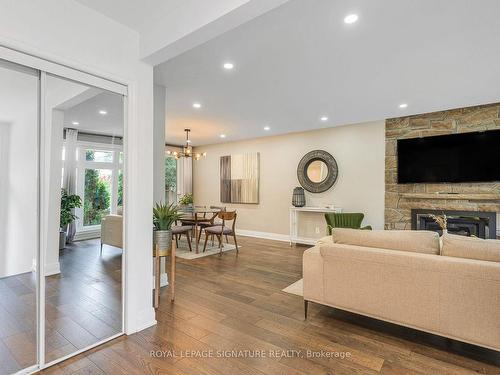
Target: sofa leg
305, 309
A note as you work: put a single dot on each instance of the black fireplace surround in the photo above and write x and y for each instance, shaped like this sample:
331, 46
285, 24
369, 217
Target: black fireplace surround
465, 223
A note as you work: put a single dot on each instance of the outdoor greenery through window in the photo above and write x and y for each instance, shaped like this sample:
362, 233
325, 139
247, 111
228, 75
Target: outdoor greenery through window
99, 156
120, 188
97, 195
170, 179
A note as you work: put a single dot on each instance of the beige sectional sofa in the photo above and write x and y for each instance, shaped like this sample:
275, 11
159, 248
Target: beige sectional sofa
401, 277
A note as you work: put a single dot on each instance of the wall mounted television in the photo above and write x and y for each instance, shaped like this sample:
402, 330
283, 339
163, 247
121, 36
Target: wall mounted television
465, 157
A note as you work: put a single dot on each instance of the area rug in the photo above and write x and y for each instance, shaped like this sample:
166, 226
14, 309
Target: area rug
296, 288
184, 253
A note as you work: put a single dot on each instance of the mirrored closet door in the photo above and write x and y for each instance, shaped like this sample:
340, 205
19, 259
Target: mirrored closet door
18, 217
83, 148
62, 166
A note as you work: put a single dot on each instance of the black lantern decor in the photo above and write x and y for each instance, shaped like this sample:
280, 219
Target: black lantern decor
298, 197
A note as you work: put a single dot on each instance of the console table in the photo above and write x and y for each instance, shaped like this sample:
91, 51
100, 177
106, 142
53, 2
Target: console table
294, 222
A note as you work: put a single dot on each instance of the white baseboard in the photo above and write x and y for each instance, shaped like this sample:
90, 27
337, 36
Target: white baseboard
265, 235
52, 269
146, 319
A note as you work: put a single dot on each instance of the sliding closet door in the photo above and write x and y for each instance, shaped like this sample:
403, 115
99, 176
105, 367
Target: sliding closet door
83, 152
18, 216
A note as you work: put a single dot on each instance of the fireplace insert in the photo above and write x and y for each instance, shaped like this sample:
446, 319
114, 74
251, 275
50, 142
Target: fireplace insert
464, 223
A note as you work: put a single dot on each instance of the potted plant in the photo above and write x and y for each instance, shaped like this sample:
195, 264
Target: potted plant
164, 216
186, 200
68, 203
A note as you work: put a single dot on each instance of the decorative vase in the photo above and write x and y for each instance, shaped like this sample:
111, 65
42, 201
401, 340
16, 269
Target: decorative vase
298, 197
163, 238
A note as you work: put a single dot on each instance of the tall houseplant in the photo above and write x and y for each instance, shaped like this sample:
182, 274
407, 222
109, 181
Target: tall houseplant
68, 203
164, 216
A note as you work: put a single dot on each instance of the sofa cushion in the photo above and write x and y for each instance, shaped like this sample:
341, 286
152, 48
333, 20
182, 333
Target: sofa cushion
420, 241
471, 248
324, 241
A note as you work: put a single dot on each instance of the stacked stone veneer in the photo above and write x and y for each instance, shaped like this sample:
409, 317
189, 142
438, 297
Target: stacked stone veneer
471, 119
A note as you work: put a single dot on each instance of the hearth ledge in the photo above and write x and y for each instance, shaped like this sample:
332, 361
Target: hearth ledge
450, 196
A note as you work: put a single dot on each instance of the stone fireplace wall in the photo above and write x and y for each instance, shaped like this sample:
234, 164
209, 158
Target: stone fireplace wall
470, 119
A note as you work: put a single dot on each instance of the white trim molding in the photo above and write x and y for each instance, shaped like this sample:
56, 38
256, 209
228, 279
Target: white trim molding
52, 269
264, 235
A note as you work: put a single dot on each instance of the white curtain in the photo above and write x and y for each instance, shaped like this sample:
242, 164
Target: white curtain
69, 178
184, 176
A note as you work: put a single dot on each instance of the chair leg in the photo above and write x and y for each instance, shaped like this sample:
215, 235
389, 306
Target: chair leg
236, 243
227, 241
212, 240
101, 248
306, 303
189, 241
177, 240
206, 239
199, 234
220, 244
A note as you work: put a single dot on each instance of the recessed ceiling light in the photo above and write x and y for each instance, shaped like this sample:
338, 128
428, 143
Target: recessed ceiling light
351, 18
197, 105
323, 118
103, 112
228, 65
267, 128
403, 105
223, 136
75, 123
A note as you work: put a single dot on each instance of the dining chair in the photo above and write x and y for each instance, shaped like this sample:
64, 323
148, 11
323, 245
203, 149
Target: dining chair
220, 230
179, 230
211, 222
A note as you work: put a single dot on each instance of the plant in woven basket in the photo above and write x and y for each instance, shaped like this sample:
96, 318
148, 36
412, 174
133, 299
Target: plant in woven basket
440, 220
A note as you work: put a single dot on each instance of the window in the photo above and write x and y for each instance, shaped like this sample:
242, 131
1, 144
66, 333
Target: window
97, 195
120, 188
99, 156
99, 176
170, 179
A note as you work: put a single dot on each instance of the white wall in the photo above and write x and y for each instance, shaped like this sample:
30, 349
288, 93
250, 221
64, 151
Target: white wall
359, 151
18, 171
69, 33
159, 143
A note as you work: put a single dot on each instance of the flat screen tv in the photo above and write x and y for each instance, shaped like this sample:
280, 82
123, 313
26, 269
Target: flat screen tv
466, 157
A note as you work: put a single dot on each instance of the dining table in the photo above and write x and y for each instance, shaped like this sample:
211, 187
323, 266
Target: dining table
194, 216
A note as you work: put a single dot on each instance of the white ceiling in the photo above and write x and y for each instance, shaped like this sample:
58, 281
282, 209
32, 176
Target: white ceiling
300, 61
86, 113
136, 14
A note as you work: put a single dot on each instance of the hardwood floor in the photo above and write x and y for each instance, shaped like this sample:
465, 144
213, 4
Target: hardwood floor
236, 304
83, 306
83, 302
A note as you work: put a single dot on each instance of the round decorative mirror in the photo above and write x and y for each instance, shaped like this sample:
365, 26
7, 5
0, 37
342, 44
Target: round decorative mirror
317, 171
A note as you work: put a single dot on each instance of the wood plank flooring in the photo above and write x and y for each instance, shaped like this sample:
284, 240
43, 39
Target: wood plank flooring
235, 304
83, 306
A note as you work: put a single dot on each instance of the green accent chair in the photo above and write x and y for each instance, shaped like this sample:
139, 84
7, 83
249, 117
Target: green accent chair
345, 220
